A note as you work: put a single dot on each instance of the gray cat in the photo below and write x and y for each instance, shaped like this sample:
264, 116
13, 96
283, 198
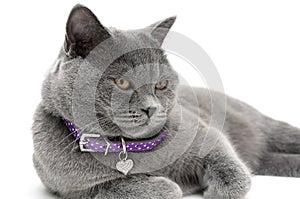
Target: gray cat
126, 107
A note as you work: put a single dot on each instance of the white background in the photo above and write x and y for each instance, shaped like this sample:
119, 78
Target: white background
255, 46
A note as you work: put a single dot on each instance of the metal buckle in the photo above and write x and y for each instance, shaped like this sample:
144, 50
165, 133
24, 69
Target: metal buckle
82, 142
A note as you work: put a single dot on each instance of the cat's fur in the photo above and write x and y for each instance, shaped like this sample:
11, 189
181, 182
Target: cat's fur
249, 141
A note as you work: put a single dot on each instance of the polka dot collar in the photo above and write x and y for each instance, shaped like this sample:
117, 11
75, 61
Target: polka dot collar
93, 143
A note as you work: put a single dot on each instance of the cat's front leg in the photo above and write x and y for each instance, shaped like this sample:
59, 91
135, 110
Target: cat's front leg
140, 187
226, 175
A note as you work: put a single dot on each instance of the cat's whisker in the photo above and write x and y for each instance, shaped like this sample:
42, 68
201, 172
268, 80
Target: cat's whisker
75, 147
67, 136
61, 152
104, 123
128, 120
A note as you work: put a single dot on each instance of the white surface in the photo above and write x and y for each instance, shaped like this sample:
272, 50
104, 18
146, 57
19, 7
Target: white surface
254, 44
266, 187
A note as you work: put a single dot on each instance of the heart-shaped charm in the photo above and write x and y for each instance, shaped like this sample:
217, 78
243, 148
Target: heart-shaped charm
124, 166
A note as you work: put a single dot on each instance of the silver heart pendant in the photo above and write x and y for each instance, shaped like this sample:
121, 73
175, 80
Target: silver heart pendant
124, 166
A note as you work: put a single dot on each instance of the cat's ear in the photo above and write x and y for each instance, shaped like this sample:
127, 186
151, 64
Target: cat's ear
83, 32
159, 30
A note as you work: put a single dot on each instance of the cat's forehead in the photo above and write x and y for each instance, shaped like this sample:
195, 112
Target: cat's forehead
129, 50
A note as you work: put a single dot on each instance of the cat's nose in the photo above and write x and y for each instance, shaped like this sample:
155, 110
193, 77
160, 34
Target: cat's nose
149, 111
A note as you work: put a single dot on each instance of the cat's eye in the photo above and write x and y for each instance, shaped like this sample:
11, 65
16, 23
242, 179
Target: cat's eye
161, 85
122, 83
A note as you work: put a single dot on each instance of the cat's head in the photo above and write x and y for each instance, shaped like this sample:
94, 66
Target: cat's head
133, 94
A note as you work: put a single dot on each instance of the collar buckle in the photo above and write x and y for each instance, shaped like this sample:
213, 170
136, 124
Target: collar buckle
82, 142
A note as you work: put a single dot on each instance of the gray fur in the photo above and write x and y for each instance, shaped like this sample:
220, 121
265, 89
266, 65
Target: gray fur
249, 142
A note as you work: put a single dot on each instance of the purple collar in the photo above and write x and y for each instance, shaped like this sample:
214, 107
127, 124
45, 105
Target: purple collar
92, 143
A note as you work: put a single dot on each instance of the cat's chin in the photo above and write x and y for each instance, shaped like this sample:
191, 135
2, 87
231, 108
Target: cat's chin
118, 138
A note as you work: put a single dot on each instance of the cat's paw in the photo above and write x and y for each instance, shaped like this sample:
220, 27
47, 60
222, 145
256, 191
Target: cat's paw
165, 188
233, 189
